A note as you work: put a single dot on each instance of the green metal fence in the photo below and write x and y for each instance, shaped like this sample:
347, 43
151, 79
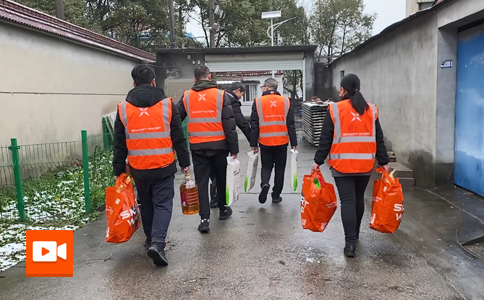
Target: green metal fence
6, 167
19, 162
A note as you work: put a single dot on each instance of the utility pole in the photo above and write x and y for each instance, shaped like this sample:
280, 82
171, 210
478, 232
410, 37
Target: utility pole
59, 9
172, 23
211, 21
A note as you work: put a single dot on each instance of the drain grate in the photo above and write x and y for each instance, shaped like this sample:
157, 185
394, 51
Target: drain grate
474, 247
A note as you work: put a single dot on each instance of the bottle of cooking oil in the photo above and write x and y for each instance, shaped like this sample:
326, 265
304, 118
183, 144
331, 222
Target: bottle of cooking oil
189, 196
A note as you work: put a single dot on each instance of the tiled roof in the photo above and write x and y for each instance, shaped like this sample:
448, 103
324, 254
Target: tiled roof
16, 13
248, 73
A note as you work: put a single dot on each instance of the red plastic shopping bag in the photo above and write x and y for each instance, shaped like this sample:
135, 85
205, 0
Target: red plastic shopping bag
387, 204
318, 202
122, 211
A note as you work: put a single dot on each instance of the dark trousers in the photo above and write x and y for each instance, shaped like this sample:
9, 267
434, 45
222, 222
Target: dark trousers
351, 191
213, 187
203, 165
156, 199
270, 157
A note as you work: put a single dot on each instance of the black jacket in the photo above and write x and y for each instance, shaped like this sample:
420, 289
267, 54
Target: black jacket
326, 141
239, 117
147, 96
254, 124
231, 142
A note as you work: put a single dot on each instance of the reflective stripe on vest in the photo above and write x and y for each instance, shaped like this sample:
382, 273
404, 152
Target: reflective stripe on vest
205, 120
352, 156
261, 115
210, 133
150, 152
149, 135
165, 134
351, 139
354, 147
272, 133
208, 127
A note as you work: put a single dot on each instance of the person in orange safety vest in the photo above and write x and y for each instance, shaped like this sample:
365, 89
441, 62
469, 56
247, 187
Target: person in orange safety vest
353, 138
212, 135
272, 127
148, 130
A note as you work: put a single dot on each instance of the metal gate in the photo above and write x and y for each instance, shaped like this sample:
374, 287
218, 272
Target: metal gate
469, 111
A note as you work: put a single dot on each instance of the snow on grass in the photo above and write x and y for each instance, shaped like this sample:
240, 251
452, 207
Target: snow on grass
53, 202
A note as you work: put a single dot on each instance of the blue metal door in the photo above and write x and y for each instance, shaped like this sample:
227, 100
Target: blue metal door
469, 111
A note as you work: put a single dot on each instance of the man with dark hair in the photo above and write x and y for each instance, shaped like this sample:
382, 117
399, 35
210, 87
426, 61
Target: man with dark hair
272, 127
147, 129
235, 93
202, 73
212, 135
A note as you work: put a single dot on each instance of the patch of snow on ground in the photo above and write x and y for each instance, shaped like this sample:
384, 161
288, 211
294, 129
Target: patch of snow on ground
58, 201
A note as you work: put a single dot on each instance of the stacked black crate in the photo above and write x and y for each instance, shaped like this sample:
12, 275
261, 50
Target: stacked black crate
313, 117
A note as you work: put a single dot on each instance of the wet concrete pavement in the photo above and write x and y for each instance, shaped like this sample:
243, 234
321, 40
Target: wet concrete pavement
263, 253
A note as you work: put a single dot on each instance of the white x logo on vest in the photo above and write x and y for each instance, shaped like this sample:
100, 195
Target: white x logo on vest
202, 97
355, 117
144, 111
273, 103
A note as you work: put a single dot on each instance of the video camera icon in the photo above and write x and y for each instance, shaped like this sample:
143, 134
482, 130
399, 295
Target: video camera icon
48, 251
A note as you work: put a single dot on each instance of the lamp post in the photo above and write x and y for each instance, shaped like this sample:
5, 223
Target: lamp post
272, 15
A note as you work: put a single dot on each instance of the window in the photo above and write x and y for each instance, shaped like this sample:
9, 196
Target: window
422, 6
250, 92
342, 74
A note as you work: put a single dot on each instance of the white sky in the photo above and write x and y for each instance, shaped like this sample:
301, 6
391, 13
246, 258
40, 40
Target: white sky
389, 12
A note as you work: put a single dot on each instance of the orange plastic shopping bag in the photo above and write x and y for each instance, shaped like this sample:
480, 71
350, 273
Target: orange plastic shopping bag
318, 202
387, 206
122, 211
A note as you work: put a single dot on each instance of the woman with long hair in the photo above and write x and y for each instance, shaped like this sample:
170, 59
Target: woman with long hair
352, 138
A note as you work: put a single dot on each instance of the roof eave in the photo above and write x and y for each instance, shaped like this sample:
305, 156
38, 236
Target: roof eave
236, 50
17, 14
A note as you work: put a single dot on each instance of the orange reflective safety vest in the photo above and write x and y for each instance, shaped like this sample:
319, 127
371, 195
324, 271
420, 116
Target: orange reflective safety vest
272, 110
354, 139
204, 115
148, 136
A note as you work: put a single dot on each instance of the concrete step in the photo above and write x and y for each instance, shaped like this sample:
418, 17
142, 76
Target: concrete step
401, 170
404, 174
407, 182
392, 156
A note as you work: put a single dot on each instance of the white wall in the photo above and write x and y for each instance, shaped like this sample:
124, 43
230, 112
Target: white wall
412, 7
399, 74
51, 89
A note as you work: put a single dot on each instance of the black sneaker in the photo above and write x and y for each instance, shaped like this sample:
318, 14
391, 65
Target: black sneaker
204, 226
157, 253
350, 249
263, 194
147, 243
277, 200
225, 214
